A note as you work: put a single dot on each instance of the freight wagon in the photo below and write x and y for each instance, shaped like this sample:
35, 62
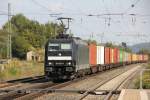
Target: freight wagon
70, 57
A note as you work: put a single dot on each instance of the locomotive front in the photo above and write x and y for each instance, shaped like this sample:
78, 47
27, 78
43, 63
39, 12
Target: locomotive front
59, 62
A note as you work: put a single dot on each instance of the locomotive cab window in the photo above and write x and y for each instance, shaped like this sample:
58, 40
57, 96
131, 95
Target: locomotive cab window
53, 47
65, 46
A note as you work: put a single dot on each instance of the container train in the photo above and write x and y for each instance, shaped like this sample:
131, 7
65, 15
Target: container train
69, 57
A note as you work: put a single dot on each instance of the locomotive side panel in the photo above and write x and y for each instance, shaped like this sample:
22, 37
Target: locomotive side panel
82, 56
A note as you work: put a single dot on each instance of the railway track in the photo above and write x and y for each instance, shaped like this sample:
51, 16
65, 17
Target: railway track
36, 94
18, 81
22, 93
65, 88
8, 88
109, 85
28, 79
109, 95
74, 92
17, 93
48, 87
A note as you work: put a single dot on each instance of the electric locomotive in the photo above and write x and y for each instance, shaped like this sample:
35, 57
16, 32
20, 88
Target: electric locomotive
66, 57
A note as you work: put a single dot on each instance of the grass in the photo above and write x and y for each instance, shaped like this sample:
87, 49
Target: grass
145, 79
20, 69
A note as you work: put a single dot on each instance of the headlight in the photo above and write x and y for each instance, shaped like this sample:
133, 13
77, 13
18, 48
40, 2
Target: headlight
49, 63
69, 69
68, 63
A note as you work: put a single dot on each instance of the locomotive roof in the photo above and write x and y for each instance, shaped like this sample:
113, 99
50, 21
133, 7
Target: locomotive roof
77, 40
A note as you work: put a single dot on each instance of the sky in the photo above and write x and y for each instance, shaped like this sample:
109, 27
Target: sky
113, 21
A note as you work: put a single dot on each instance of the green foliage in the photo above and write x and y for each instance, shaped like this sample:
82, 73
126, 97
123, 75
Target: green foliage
145, 83
145, 79
27, 34
109, 44
144, 51
91, 41
1, 75
128, 49
13, 71
3, 41
21, 69
20, 47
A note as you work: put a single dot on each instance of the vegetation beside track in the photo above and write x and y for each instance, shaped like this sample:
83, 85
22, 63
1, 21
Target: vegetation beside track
17, 69
145, 79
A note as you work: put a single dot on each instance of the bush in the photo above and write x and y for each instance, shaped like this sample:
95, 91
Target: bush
21, 69
145, 80
13, 71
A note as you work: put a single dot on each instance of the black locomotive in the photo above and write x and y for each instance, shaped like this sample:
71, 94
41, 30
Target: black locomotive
66, 57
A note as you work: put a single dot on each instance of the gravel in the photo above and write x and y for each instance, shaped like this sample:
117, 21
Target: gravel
85, 84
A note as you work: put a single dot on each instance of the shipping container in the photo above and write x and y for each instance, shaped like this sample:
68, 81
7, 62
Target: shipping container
141, 57
116, 55
138, 57
107, 55
100, 55
111, 55
146, 58
134, 57
120, 55
129, 57
124, 56
92, 54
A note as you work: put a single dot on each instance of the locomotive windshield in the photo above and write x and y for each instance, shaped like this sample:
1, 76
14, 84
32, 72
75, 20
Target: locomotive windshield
59, 46
53, 47
65, 46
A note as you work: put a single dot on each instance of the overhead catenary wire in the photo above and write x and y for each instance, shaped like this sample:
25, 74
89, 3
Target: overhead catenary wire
40, 5
107, 16
1, 11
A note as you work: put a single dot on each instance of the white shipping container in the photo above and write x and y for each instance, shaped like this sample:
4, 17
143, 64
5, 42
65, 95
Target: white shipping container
100, 54
127, 59
126, 56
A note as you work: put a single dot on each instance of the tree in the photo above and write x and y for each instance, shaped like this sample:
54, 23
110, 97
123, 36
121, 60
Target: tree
144, 51
20, 47
3, 43
109, 44
91, 41
128, 49
30, 32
